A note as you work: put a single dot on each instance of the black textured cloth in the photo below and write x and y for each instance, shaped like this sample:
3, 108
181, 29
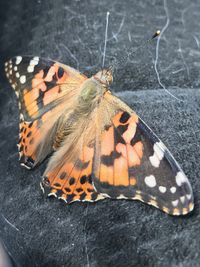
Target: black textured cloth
38, 231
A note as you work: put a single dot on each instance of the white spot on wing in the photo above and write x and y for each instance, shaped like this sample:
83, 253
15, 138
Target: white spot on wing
23, 79
162, 189
36, 58
32, 64
158, 155
155, 162
30, 69
150, 181
182, 199
175, 202
181, 178
173, 189
18, 60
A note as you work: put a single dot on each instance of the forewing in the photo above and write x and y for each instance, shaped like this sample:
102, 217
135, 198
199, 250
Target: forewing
45, 90
131, 162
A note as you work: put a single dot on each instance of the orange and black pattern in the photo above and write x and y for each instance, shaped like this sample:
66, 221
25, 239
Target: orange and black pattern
102, 149
132, 167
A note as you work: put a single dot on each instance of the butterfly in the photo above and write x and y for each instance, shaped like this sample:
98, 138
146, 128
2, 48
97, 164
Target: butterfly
100, 147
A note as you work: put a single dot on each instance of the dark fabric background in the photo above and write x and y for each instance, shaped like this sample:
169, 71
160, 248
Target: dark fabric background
45, 232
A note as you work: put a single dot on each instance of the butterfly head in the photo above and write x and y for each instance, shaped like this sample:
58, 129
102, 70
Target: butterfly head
104, 76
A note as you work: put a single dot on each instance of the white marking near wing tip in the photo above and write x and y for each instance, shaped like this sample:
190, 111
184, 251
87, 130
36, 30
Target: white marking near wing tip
36, 58
17, 74
189, 196
6, 64
32, 64
181, 178
158, 155
155, 162
173, 189
18, 60
15, 68
175, 202
30, 69
23, 79
162, 189
150, 181
182, 199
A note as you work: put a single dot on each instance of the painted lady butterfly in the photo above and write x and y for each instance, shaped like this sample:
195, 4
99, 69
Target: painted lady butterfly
102, 149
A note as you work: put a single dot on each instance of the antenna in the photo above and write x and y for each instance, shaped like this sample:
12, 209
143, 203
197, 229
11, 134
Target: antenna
131, 51
106, 38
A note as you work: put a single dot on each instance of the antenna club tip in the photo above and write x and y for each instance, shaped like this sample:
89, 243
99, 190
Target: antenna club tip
108, 13
157, 33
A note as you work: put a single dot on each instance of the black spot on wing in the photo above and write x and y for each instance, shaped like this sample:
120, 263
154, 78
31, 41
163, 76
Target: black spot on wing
83, 179
72, 181
39, 100
94, 196
70, 197
108, 160
81, 165
63, 175
46, 70
57, 185
67, 189
82, 196
60, 72
107, 127
79, 190
30, 124
124, 117
118, 136
122, 128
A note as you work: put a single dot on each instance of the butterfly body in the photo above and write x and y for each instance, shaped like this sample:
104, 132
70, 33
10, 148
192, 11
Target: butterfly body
100, 148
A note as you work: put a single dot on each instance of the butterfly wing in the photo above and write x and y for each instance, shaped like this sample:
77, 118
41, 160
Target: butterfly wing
113, 154
69, 172
45, 89
131, 162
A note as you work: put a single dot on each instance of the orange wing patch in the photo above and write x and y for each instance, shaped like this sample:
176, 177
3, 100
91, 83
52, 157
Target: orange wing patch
120, 150
47, 87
